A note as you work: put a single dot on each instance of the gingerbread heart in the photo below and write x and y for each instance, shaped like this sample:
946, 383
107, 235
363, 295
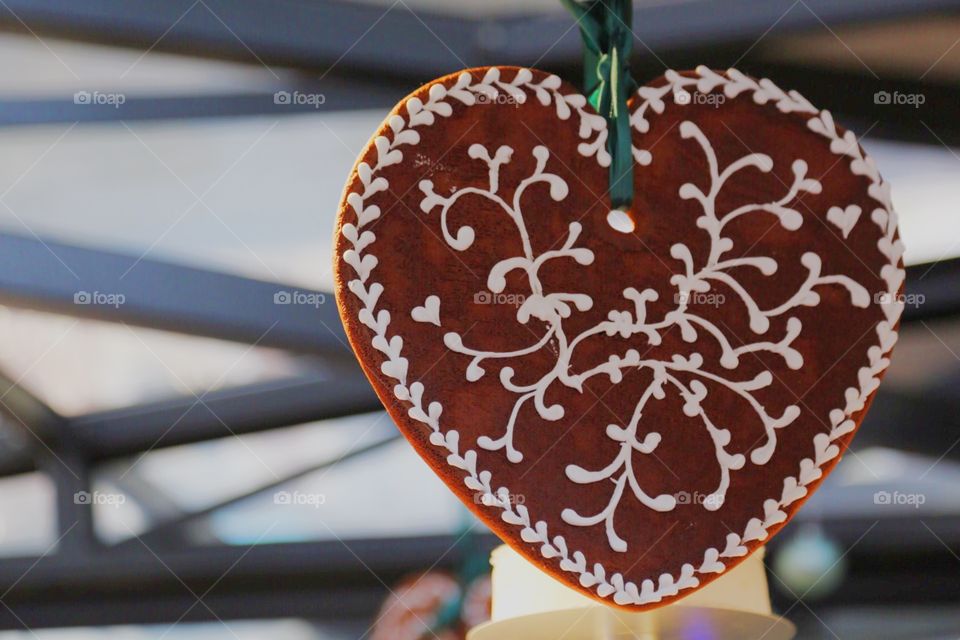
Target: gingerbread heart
636, 409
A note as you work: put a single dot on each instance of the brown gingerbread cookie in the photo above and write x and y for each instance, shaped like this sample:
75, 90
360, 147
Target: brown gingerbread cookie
635, 403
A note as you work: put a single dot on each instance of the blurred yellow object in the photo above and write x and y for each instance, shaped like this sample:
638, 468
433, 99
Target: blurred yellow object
528, 604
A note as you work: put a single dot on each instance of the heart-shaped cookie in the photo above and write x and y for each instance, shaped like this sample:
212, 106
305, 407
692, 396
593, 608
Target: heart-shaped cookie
633, 410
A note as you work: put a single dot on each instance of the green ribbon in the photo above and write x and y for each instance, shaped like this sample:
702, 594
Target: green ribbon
605, 26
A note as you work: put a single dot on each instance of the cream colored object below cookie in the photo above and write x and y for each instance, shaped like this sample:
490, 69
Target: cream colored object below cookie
528, 604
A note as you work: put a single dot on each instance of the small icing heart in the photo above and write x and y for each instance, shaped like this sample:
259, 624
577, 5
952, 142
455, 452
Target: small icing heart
428, 312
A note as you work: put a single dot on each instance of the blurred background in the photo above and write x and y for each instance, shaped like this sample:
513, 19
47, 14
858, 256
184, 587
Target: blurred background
187, 449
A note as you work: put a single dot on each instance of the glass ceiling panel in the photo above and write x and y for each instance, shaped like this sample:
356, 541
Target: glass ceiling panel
53, 67
79, 365
338, 504
337, 501
28, 525
923, 179
253, 196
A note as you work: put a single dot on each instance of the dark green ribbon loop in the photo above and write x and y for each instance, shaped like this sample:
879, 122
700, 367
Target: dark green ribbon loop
605, 26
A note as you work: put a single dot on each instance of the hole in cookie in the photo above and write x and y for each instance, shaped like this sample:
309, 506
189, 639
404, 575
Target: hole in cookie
620, 221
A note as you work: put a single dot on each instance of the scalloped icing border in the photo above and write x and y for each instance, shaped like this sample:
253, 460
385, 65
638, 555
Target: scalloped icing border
593, 133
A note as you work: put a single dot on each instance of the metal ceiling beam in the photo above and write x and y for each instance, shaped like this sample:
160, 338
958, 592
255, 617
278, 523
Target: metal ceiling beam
222, 413
317, 580
113, 287
320, 34
332, 94
353, 36
50, 446
33, 427
28, 411
14, 462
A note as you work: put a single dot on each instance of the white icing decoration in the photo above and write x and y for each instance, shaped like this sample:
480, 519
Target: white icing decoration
428, 312
844, 219
628, 444
503, 154
552, 307
549, 308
